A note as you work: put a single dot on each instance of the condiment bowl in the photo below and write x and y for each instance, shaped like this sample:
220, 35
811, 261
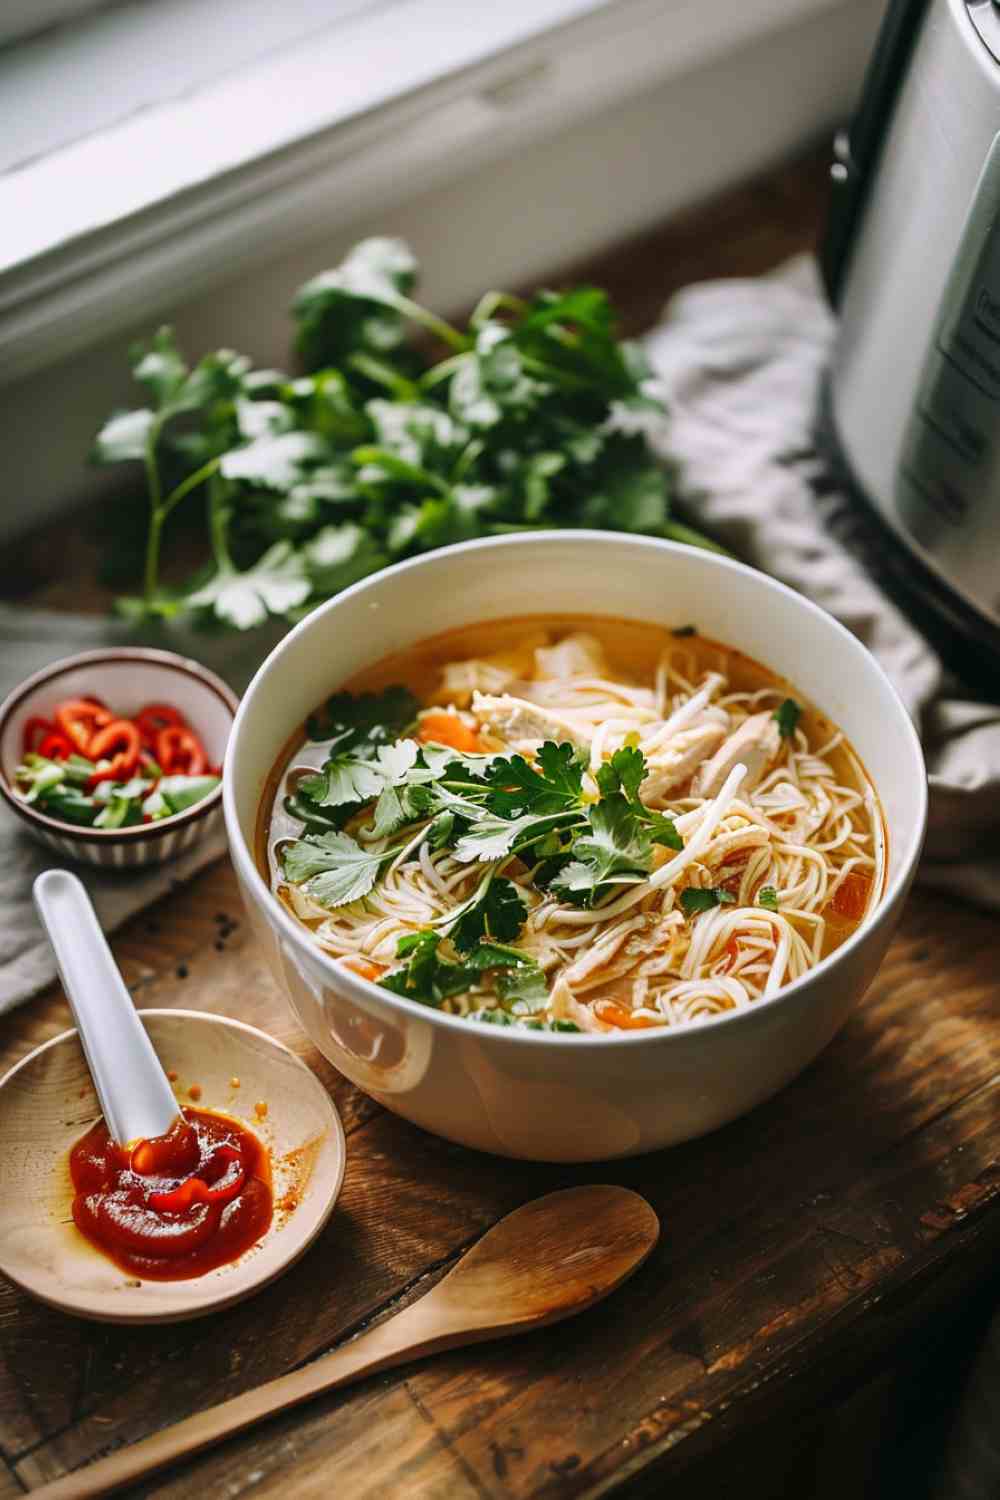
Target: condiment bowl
47, 1102
124, 677
538, 1094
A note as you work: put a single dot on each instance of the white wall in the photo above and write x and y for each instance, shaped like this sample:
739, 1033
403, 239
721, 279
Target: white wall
499, 224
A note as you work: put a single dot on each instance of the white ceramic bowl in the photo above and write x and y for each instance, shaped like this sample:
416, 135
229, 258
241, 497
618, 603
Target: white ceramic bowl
547, 1096
124, 677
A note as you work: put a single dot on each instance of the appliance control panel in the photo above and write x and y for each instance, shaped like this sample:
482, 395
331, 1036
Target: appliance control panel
948, 479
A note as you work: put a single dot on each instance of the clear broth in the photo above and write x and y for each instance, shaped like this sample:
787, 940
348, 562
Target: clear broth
633, 650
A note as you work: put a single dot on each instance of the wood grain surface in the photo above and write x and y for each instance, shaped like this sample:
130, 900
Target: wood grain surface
804, 1249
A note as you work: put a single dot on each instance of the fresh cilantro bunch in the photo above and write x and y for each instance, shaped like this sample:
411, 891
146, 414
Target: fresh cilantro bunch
505, 815
535, 417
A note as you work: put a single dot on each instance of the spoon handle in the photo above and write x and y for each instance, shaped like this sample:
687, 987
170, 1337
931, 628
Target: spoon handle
418, 1330
134, 1092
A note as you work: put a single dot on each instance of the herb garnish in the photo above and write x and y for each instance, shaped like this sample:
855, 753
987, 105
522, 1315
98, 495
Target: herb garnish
429, 978
533, 418
485, 809
694, 899
767, 897
787, 716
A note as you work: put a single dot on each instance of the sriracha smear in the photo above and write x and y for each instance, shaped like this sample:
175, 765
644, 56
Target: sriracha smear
175, 1206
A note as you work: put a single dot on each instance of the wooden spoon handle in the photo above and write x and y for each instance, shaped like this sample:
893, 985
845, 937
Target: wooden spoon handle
420, 1329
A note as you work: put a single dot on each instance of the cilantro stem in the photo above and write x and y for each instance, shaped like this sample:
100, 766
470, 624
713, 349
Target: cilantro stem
557, 374
218, 521
160, 508
442, 330
383, 374
466, 459
187, 485
490, 302
443, 370
152, 568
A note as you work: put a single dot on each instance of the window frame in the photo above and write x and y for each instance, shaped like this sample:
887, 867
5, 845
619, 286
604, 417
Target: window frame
157, 222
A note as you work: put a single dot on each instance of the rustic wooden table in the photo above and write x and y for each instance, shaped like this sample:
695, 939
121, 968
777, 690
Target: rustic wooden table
804, 1248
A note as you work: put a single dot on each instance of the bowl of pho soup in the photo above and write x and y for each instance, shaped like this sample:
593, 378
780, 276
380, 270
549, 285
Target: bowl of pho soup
572, 846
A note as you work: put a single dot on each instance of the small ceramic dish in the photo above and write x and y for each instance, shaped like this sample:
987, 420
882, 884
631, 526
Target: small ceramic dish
124, 677
47, 1102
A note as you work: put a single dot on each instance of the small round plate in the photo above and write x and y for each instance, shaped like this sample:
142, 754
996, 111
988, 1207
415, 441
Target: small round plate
47, 1102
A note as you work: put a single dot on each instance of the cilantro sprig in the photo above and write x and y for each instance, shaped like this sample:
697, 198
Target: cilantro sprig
303, 485
498, 814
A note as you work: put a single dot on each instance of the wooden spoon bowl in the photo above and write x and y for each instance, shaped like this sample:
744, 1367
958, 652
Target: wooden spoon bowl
48, 1101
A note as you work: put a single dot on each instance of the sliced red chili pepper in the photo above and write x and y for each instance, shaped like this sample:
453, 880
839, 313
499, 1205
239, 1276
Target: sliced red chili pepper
180, 752
119, 737
55, 746
79, 719
35, 730
154, 717
117, 742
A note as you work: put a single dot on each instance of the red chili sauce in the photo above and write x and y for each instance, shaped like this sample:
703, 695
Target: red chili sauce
175, 1206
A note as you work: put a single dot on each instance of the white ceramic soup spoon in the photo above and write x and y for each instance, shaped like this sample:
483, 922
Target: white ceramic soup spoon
134, 1092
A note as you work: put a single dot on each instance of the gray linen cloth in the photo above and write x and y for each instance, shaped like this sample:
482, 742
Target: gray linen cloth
739, 363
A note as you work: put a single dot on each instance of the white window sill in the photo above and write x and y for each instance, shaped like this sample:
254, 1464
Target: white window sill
109, 230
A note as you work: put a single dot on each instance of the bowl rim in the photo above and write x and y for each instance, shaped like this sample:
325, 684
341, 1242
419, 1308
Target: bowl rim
361, 989
141, 654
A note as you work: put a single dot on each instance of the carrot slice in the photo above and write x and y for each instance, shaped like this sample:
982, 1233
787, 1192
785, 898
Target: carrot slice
850, 900
613, 1014
448, 729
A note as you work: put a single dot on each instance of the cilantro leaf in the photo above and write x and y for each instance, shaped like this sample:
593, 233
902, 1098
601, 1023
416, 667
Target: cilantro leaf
425, 976
551, 785
616, 851
491, 837
358, 776
694, 899
787, 716
767, 897
350, 720
274, 460
354, 306
663, 830
275, 584
123, 436
523, 989
494, 911
341, 555
397, 806
624, 772
537, 414
332, 868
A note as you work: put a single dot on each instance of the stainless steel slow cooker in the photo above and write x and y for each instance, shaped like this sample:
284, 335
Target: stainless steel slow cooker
911, 262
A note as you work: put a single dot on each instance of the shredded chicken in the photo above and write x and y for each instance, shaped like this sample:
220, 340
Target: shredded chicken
675, 762
524, 725
755, 744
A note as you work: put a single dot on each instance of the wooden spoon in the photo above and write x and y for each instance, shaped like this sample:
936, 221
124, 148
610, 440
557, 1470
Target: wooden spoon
554, 1257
